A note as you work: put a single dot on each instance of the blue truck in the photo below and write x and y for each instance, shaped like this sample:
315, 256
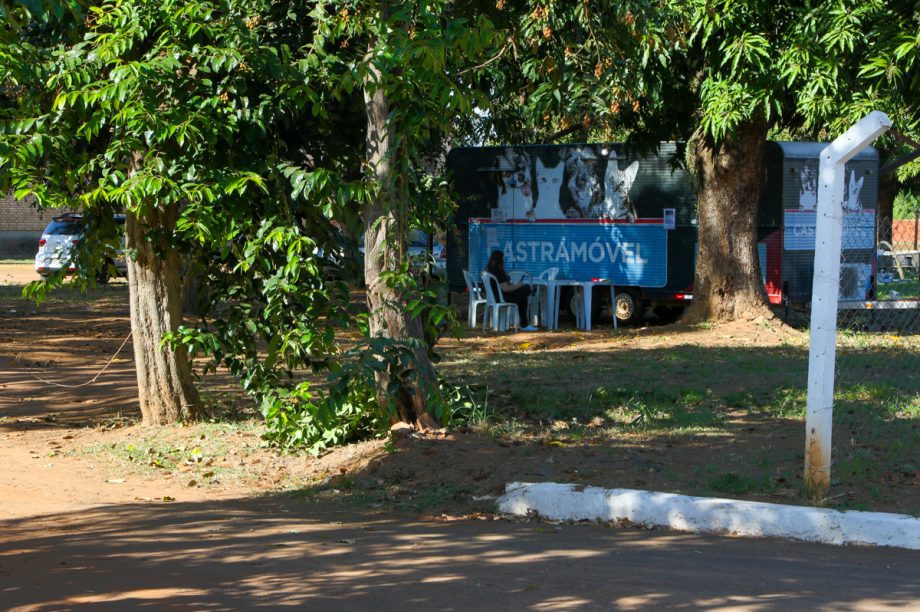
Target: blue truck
602, 211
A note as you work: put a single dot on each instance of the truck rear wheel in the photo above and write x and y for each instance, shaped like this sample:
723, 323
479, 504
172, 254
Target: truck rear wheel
571, 298
627, 307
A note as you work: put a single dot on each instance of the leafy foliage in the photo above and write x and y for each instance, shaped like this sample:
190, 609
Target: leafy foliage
242, 115
906, 205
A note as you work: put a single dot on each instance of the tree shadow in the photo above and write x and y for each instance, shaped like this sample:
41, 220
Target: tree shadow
278, 551
50, 352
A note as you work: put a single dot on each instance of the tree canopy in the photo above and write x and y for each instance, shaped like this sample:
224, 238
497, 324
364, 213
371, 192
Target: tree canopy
234, 134
251, 143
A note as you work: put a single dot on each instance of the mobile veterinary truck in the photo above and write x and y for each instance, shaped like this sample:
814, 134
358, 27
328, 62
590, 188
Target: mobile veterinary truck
598, 211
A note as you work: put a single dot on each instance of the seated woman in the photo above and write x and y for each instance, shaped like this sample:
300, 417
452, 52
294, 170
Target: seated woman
516, 293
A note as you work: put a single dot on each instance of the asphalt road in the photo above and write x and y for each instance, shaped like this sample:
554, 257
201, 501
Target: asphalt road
280, 552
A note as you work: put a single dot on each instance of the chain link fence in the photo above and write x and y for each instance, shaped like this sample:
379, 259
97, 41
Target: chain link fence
877, 386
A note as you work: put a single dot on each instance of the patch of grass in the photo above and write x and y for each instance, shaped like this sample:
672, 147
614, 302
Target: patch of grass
194, 449
865, 392
545, 403
906, 408
341, 491
693, 396
437, 497
859, 464
741, 399
473, 409
511, 429
903, 289
637, 411
738, 484
753, 398
688, 420
787, 403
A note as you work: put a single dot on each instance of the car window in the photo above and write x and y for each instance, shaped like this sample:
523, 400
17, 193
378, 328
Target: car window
418, 238
64, 228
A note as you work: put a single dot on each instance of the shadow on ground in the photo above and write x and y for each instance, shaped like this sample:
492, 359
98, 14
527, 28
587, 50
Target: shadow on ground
280, 551
656, 412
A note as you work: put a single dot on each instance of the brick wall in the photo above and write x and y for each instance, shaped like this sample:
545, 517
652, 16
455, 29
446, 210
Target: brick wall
21, 226
904, 234
20, 216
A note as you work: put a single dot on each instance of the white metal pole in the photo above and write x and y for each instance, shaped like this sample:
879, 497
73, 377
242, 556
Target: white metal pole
825, 288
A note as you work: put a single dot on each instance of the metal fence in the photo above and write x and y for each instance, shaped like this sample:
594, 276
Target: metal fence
877, 373
880, 289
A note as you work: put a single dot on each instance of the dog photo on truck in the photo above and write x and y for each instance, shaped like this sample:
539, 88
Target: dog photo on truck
604, 212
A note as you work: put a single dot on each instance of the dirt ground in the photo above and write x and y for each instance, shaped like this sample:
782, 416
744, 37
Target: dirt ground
97, 510
52, 432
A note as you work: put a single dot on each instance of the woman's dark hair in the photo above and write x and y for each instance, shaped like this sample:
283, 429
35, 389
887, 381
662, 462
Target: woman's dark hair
496, 262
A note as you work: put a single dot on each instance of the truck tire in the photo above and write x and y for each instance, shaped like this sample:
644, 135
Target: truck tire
628, 307
597, 303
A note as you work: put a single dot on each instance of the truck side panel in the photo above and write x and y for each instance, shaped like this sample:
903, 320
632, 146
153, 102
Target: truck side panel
594, 211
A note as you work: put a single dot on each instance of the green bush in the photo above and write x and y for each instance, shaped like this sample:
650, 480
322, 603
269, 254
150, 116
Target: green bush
906, 205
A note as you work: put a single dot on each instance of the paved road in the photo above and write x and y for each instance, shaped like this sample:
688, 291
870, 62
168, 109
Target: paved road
277, 551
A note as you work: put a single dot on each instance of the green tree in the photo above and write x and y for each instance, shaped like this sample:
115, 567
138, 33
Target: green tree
722, 75
182, 114
882, 42
406, 60
227, 131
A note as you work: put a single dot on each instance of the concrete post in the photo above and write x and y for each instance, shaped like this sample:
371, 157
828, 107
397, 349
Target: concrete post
825, 289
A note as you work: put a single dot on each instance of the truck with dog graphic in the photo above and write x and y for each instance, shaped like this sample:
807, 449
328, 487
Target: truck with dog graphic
604, 212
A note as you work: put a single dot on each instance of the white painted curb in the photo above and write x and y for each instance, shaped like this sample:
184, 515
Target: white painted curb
566, 502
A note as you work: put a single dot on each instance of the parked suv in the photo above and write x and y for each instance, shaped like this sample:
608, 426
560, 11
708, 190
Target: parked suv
56, 249
418, 253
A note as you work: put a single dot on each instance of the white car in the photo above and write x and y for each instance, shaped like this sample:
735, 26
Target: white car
418, 252
56, 247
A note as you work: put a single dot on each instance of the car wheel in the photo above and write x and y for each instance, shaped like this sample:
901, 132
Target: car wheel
627, 307
597, 305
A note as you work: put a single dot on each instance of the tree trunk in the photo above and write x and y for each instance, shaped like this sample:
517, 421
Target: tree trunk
728, 282
164, 376
888, 188
385, 249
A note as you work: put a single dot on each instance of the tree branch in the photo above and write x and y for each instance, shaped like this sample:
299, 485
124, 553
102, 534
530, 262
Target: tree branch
497, 57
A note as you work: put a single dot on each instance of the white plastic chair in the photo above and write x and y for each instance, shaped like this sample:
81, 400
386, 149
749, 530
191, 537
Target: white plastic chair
504, 314
578, 306
539, 305
476, 299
